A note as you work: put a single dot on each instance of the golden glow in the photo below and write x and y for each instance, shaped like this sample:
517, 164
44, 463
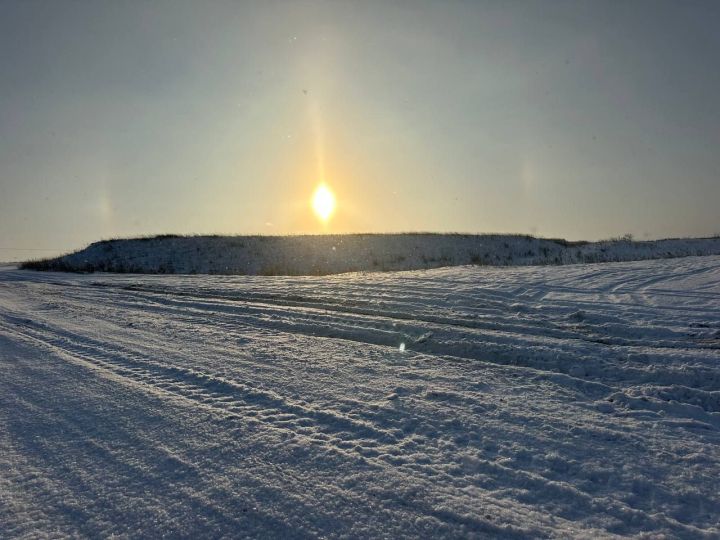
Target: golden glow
323, 203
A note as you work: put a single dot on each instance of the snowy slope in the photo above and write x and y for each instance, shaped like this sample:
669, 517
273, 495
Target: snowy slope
575, 401
331, 254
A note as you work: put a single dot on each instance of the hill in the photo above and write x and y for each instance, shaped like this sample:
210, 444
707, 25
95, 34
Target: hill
332, 254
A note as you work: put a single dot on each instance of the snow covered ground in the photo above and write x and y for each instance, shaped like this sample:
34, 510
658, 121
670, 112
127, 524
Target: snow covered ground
575, 401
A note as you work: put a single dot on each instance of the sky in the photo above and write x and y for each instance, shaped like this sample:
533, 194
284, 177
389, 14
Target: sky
582, 120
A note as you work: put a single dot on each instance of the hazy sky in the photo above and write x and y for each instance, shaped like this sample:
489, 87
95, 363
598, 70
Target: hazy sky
572, 119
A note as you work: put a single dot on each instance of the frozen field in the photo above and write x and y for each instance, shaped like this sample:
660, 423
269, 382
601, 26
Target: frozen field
575, 401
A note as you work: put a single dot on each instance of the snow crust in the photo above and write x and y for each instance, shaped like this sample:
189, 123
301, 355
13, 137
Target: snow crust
574, 401
332, 254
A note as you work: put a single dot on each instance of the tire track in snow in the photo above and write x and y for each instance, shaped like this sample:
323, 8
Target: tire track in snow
502, 323
552, 356
312, 319
231, 398
213, 393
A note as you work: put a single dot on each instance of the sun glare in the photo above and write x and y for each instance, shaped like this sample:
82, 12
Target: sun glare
323, 203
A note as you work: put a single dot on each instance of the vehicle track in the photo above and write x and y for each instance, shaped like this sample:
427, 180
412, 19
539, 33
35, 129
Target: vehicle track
230, 398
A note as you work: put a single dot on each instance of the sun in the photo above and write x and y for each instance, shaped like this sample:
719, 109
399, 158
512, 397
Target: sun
323, 203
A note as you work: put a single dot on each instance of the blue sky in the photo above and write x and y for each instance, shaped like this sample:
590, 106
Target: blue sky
571, 119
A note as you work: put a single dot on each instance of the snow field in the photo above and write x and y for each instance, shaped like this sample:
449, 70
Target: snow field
577, 401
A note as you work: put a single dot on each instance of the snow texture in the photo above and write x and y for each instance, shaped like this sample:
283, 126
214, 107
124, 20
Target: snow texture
574, 401
332, 254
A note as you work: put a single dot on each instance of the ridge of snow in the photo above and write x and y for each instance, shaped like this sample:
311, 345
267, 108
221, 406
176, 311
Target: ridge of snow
333, 254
